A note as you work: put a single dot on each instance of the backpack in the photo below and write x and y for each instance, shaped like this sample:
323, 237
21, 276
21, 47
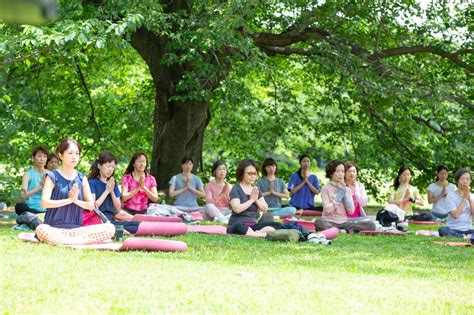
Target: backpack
386, 218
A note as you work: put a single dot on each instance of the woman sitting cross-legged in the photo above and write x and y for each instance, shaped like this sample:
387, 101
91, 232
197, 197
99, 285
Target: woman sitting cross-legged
303, 186
274, 189
245, 201
217, 194
106, 194
66, 194
438, 191
359, 196
337, 201
138, 186
460, 207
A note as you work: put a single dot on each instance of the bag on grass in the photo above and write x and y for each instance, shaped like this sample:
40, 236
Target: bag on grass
386, 218
285, 235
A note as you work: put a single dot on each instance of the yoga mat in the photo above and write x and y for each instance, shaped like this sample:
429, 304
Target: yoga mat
129, 244
399, 233
155, 218
312, 213
459, 244
425, 222
308, 225
161, 228
207, 229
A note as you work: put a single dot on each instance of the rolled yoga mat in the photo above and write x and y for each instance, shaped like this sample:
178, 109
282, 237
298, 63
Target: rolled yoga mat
331, 233
129, 244
207, 229
154, 218
162, 228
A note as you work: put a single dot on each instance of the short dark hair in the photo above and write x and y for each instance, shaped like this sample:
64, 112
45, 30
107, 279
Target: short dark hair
39, 148
187, 159
130, 168
350, 164
239, 173
331, 167
460, 173
216, 165
65, 144
268, 162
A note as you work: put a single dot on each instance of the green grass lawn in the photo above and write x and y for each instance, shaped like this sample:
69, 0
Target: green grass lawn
230, 274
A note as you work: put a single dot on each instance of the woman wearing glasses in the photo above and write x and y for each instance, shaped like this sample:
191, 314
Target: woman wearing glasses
245, 201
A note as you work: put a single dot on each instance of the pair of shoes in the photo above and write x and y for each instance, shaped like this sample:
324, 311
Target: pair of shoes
187, 219
29, 219
403, 227
318, 239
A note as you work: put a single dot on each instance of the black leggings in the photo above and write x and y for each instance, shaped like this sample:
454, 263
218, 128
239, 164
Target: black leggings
21, 208
241, 228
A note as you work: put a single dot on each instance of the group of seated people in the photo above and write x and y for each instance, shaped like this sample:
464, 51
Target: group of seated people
68, 197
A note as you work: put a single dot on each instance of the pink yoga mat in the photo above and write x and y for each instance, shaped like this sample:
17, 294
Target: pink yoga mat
208, 229
399, 233
162, 228
312, 213
129, 244
425, 222
308, 225
154, 218
459, 244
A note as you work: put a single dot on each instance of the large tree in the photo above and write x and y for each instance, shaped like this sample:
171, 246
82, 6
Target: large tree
390, 80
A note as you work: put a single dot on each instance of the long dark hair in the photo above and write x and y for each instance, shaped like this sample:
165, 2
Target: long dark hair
301, 159
104, 157
130, 168
402, 169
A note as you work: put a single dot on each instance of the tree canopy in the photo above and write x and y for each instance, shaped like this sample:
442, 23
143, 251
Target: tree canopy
382, 83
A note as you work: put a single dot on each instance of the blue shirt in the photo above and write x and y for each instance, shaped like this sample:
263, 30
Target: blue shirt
187, 198
303, 198
98, 187
34, 180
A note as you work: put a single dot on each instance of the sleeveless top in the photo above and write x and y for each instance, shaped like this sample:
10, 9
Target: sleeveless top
69, 216
34, 180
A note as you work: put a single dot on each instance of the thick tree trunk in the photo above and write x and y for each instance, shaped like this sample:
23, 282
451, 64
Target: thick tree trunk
178, 126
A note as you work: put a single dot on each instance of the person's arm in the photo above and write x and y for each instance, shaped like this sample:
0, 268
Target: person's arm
152, 193
418, 199
122, 215
88, 202
197, 191
361, 194
329, 202
348, 202
25, 193
284, 194
456, 213
298, 187
126, 193
313, 188
392, 200
48, 203
173, 192
208, 194
239, 207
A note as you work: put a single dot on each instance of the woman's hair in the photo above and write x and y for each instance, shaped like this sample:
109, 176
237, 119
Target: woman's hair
130, 168
402, 169
350, 164
187, 159
301, 159
104, 157
51, 156
216, 165
439, 168
239, 173
269, 162
39, 148
65, 144
460, 173
331, 167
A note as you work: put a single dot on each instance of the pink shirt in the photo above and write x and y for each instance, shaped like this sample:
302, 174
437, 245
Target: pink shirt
140, 200
359, 196
212, 195
333, 210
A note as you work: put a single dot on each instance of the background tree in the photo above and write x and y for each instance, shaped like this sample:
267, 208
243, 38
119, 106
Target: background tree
380, 82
